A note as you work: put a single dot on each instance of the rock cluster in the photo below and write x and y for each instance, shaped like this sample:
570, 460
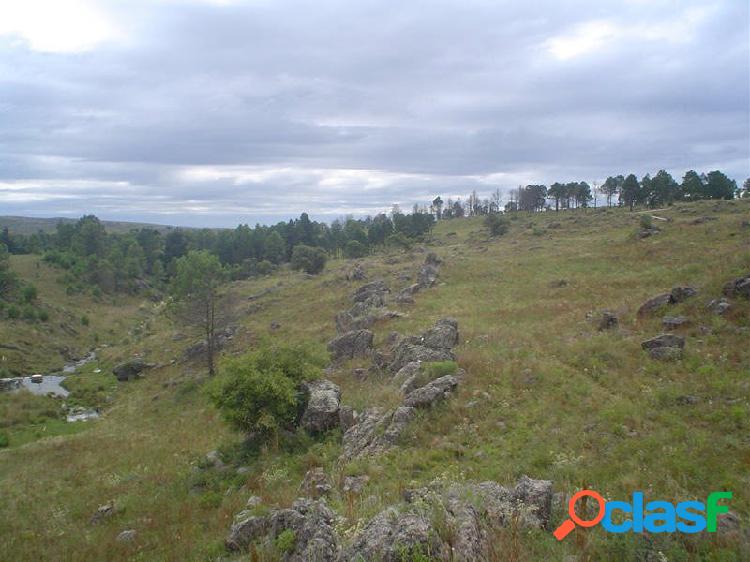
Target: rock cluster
323, 405
221, 339
311, 523
130, 369
739, 287
675, 296
453, 522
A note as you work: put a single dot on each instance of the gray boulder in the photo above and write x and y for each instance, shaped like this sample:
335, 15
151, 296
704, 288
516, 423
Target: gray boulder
355, 484
129, 370
672, 322
427, 276
607, 321
371, 292
443, 335
676, 295
357, 343
664, 347
376, 431
719, 306
406, 352
431, 393
738, 287
128, 535
323, 404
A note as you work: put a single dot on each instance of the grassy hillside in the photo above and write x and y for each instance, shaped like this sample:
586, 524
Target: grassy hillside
546, 394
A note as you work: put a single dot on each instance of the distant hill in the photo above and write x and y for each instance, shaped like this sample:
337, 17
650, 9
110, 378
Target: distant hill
30, 225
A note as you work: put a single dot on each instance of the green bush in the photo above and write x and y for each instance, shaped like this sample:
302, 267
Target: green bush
497, 224
4, 441
43, 315
12, 312
261, 393
29, 313
85, 320
355, 249
29, 294
646, 221
308, 259
285, 541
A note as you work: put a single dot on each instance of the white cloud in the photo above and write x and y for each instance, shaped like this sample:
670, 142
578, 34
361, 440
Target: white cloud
56, 26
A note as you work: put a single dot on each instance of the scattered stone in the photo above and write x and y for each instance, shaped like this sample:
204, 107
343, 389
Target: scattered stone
103, 512
558, 284
357, 343
253, 501
316, 483
221, 339
443, 335
322, 411
243, 470
213, 459
665, 347
738, 287
275, 326
673, 322
356, 273
10, 384
702, 220
359, 374
129, 370
646, 232
607, 321
719, 306
431, 393
355, 484
128, 535
434, 345
676, 295
372, 293
687, 400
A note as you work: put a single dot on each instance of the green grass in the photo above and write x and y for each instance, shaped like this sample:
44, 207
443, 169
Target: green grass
553, 397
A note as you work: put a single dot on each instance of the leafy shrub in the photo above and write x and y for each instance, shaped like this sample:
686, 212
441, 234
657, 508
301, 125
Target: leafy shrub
12, 312
355, 249
285, 541
261, 391
399, 240
646, 221
497, 224
4, 441
84, 320
308, 259
29, 293
29, 313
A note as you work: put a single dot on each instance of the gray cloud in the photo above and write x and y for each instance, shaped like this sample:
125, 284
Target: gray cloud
211, 113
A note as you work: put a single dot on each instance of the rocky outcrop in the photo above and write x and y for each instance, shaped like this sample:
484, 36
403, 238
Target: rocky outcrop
311, 523
607, 321
130, 369
393, 536
376, 430
323, 404
434, 345
738, 287
356, 273
675, 296
9, 384
316, 483
664, 346
431, 393
221, 339
356, 343
372, 293
469, 511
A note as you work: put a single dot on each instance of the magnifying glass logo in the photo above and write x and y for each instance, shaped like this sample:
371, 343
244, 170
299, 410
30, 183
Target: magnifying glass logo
569, 524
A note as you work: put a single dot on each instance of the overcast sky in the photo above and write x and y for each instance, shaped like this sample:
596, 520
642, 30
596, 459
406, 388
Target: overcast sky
220, 112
